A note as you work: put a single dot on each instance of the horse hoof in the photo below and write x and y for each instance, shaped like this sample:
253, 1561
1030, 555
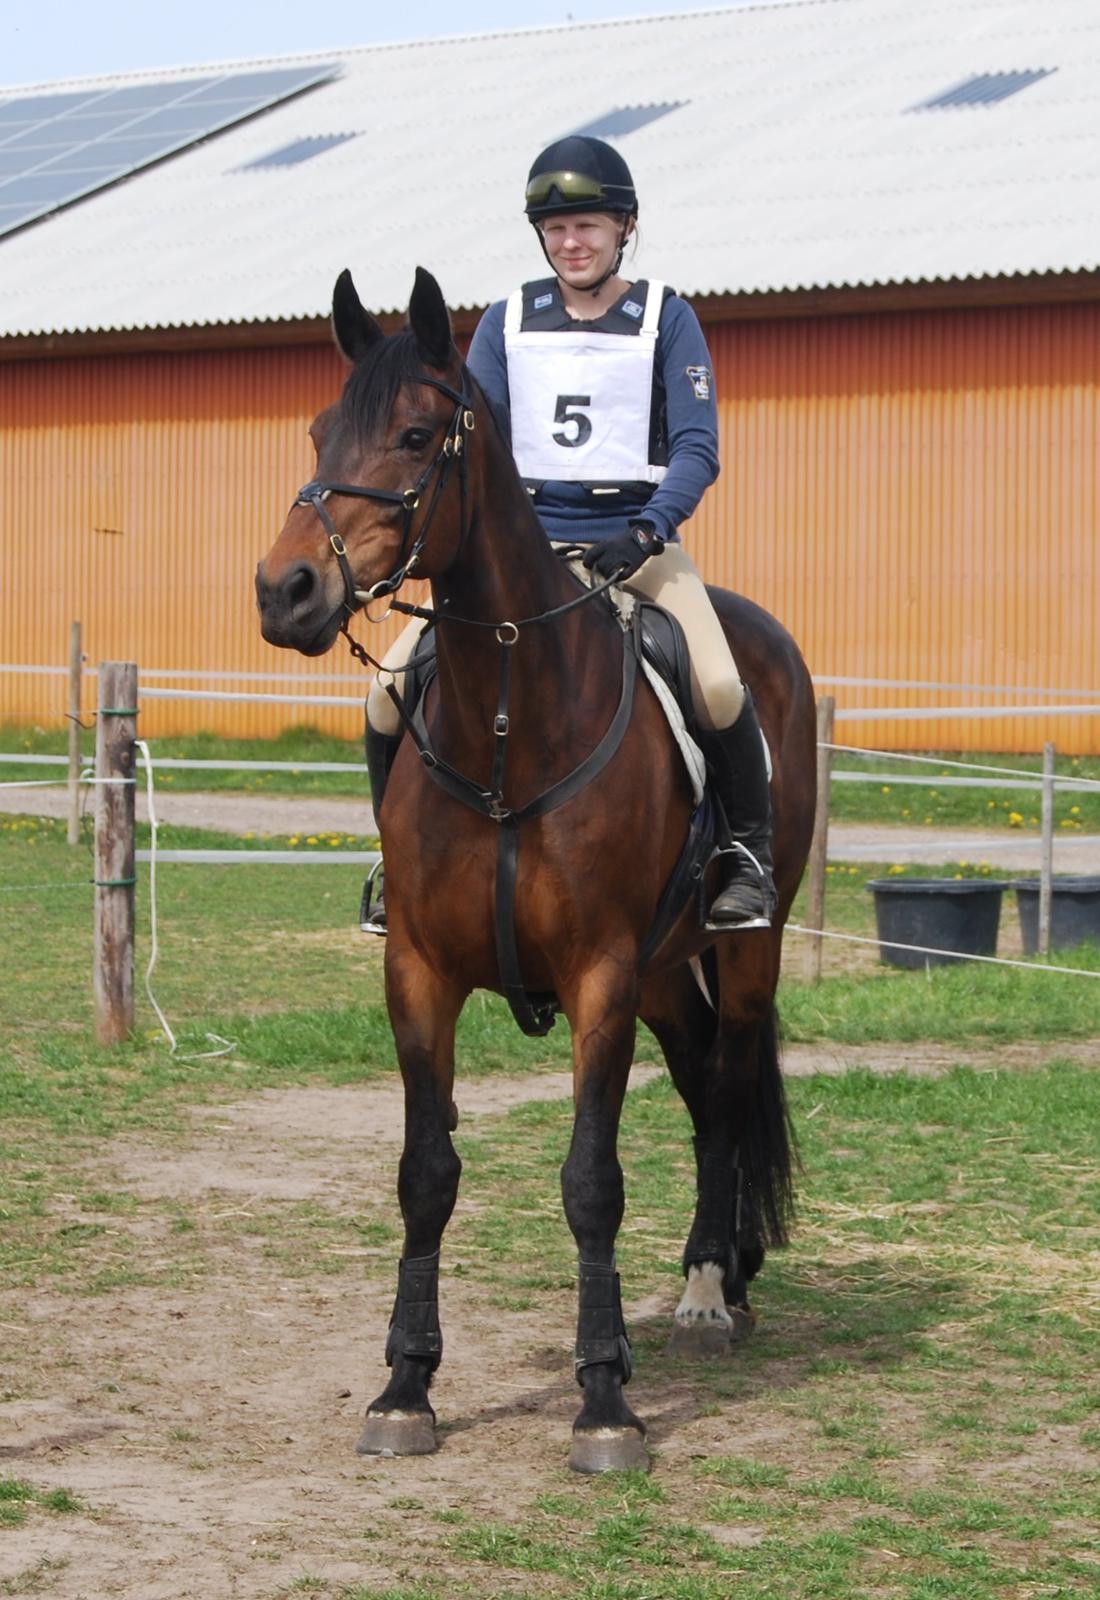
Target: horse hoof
397, 1433
699, 1340
744, 1321
608, 1450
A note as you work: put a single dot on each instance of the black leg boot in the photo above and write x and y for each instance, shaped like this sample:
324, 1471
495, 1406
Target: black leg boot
381, 749
739, 768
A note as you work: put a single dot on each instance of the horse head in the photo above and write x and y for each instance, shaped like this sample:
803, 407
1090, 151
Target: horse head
388, 494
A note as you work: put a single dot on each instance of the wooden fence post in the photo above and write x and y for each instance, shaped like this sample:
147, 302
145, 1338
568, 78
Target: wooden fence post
819, 849
113, 975
1046, 859
75, 661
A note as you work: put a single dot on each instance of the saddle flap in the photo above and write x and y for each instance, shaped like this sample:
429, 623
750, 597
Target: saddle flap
664, 646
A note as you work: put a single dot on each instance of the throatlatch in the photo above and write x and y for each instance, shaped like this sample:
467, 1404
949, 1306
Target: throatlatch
601, 1331
414, 1326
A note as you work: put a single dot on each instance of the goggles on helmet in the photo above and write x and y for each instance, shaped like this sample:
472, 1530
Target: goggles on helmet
572, 187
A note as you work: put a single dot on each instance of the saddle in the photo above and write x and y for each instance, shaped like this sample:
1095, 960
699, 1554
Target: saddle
664, 649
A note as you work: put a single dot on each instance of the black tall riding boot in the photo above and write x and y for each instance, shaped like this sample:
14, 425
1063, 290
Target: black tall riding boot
381, 749
739, 768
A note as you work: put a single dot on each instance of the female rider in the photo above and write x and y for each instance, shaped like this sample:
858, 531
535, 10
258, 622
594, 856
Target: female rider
608, 389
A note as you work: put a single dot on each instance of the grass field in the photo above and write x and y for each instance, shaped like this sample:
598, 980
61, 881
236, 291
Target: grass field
918, 1415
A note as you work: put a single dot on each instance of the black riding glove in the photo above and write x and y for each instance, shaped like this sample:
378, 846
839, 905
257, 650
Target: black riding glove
623, 556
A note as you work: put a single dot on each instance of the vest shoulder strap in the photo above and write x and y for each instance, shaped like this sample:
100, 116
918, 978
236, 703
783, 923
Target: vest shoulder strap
654, 303
513, 312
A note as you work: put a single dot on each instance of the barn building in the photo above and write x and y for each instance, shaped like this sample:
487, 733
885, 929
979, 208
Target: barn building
887, 217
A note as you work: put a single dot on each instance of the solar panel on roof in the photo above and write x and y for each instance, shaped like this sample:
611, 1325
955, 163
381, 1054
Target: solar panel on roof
626, 119
984, 89
57, 148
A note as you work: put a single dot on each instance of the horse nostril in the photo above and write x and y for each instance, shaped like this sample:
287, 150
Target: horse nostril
301, 589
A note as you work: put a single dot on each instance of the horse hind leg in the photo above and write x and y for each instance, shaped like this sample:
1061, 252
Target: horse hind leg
714, 1312
728, 1075
686, 1027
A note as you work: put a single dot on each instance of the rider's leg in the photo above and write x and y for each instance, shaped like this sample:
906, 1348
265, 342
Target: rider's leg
729, 734
383, 736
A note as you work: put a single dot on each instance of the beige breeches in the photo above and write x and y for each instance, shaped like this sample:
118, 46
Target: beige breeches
673, 581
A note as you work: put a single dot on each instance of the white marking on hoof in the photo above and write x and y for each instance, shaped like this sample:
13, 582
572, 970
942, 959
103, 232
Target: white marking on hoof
703, 1302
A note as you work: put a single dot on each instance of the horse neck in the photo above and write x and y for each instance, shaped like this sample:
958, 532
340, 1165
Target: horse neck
506, 571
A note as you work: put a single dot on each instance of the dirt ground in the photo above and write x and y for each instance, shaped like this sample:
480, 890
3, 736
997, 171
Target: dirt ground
210, 1430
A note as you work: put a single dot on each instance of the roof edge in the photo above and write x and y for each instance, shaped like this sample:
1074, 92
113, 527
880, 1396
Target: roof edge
294, 57
943, 294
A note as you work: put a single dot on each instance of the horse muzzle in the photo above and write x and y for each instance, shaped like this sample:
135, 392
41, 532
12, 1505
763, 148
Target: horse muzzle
296, 611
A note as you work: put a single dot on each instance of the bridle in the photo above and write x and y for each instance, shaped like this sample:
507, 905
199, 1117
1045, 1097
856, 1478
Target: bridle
451, 452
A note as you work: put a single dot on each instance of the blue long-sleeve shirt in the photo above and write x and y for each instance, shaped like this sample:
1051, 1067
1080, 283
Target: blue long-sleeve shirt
685, 385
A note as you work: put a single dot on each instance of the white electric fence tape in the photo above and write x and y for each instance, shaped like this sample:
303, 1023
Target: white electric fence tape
228, 1045
929, 950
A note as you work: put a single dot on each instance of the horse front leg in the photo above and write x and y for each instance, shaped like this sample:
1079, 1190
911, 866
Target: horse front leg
607, 1436
423, 1010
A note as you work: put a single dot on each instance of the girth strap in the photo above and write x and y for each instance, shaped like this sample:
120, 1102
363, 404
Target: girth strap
601, 1331
414, 1326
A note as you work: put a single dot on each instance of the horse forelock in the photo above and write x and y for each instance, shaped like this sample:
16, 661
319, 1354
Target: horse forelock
372, 386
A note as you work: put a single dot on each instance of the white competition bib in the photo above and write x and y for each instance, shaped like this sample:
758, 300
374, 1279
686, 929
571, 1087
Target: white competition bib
580, 400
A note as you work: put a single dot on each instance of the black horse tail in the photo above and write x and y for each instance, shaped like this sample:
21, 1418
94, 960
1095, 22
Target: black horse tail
767, 1154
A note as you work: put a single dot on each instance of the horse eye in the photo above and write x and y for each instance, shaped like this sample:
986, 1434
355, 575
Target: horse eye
415, 439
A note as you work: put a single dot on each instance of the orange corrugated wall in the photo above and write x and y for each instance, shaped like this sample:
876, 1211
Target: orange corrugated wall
915, 494
139, 492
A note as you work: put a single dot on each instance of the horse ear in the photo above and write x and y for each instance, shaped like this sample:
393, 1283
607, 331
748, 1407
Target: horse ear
355, 329
430, 321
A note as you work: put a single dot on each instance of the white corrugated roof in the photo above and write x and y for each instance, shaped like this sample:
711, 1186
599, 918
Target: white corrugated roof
793, 163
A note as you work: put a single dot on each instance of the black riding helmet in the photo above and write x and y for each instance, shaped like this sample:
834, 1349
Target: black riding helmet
579, 174
576, 174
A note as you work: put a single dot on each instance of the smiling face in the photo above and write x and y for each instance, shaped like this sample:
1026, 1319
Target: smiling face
582, 247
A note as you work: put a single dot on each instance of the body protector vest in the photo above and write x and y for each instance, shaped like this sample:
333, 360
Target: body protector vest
581, 398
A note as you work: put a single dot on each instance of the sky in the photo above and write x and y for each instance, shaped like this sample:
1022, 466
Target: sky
53, 39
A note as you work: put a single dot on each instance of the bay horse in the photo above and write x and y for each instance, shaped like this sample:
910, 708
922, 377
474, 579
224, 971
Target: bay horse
414, 472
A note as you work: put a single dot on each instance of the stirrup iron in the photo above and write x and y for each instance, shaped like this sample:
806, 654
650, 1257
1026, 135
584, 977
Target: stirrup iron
372, 911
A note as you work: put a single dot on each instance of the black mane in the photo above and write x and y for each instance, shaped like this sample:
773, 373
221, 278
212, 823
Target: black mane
372, 386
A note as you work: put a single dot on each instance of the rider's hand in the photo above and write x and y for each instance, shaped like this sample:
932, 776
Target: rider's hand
621, 557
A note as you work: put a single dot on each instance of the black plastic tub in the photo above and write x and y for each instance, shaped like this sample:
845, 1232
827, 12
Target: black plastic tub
1074, 912
957, 916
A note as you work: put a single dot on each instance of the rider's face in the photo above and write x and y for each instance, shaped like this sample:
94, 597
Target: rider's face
583, 247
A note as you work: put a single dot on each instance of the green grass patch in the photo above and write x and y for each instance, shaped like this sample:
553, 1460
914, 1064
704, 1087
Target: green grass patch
931, 804
890, 1428
18, 1498
966, 1005
302, 744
